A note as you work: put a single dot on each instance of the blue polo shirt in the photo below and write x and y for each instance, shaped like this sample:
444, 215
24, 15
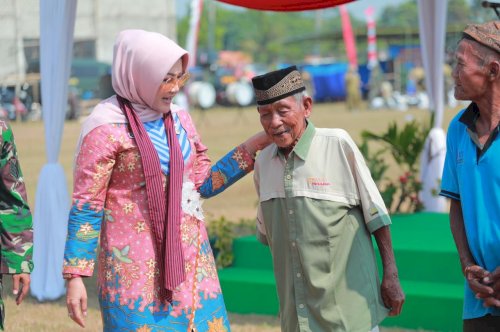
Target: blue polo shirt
471, 175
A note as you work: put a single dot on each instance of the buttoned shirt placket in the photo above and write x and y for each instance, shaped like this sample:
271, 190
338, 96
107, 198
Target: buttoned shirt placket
300, 299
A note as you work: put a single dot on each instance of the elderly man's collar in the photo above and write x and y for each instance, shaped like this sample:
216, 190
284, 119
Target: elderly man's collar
470, 116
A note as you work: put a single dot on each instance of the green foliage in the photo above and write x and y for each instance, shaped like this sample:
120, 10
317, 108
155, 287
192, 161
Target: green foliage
221, 233
405, 14
221, 237
388, 194
405, 146
478, 14
375, 162
274, 37
268, 36
400, 15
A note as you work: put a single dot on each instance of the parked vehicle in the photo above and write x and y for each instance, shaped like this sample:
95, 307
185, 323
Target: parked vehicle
11, 106
86, 75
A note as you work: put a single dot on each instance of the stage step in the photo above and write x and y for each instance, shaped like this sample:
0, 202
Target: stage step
249, 291
430, 306
427, 261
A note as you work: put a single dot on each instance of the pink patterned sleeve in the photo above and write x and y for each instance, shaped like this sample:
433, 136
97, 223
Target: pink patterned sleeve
94, 165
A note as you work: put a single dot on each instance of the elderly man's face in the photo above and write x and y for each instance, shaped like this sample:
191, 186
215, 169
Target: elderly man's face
285, 120
469, 74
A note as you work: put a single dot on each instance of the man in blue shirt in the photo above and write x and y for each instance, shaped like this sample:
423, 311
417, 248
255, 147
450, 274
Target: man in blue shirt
471, 175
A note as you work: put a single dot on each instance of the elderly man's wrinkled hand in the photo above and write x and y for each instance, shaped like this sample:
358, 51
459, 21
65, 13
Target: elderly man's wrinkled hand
392, 294
492, 280
476, 276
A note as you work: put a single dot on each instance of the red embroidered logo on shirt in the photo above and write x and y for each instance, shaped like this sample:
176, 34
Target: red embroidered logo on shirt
317, 182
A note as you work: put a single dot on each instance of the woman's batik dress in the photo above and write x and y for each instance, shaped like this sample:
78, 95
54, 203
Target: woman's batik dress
109, 204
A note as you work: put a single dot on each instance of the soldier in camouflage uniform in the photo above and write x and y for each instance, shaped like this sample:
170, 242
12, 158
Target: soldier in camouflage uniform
16, 227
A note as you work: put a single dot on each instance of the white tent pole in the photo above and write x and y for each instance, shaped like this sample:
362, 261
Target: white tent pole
57, 21
432, 21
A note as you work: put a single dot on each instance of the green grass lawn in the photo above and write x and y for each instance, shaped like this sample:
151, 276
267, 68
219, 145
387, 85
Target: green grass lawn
221, 129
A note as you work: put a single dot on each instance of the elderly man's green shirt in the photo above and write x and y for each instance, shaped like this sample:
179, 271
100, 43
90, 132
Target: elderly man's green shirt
317, 209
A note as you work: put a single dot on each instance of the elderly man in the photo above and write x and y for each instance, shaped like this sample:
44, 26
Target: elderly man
318, 206
471, 174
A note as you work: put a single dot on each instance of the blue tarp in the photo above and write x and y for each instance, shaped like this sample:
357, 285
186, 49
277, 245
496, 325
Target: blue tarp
328, 79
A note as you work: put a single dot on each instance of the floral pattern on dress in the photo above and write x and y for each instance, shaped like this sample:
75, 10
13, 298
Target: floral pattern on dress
109, 199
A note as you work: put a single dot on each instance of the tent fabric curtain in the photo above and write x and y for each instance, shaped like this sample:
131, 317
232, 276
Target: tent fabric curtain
57, 21
285, 6
432, 21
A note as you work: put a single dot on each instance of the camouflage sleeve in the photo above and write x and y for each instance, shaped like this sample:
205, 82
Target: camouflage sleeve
16, 226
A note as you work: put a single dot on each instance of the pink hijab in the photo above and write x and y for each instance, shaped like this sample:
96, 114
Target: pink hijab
141, 60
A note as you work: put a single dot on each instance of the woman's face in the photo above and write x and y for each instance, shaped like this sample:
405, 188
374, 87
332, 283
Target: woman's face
171, 84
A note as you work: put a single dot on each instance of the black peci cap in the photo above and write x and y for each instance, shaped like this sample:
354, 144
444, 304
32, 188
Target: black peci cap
277, 85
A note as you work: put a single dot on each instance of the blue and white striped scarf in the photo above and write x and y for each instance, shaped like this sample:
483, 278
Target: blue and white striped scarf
157, 134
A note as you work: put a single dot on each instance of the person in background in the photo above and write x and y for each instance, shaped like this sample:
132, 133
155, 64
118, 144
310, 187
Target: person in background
318, 207
353, 89
471, 174
141, 171
16, 233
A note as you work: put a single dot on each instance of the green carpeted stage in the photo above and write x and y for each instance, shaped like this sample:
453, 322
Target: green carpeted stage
428, 266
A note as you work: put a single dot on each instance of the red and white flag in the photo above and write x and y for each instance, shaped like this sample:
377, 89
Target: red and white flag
349, 41
372, 37
194, 27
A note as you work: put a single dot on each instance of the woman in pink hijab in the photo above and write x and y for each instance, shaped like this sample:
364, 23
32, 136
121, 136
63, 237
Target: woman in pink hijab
140, 173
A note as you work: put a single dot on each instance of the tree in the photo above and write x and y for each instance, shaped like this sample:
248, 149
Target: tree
270, 37
478, 14
402, 15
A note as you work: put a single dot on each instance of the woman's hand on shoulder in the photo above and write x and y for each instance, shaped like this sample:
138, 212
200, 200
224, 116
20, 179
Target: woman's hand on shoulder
257, 142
